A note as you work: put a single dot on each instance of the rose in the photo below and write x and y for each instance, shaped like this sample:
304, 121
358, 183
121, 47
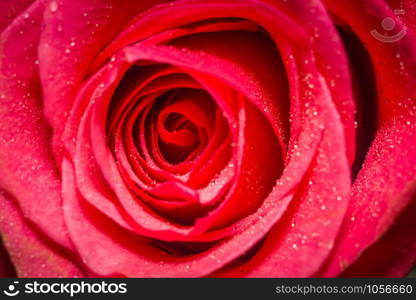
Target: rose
207, 138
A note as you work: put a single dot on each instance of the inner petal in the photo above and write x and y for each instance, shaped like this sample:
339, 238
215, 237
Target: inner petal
178, 138
184, 124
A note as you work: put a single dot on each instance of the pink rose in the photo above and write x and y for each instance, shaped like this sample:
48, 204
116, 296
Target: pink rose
207, 138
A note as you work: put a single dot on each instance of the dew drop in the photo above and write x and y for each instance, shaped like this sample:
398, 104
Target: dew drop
53, 6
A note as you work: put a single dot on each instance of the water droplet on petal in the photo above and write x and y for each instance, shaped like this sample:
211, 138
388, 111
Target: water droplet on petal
53, 6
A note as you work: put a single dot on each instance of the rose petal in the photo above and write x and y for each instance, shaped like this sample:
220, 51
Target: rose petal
31, 255
330, 59
9, 10
394, 254
28, 169
379, 192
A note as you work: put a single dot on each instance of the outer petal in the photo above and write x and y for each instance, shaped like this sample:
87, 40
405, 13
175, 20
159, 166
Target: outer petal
32, 256
394, 254
330, 59
28, 171
381, 190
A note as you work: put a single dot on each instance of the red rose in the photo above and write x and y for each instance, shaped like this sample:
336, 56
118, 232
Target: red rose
208, 138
